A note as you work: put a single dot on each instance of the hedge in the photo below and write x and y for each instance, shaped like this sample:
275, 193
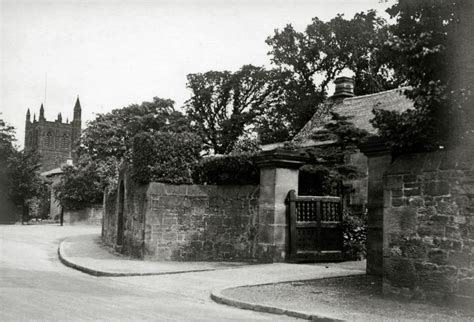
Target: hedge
165, 157
355, 235
239, 169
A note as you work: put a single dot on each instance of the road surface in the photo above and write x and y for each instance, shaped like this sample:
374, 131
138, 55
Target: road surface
34, 285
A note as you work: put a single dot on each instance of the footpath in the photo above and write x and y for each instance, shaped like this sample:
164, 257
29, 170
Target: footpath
87, 254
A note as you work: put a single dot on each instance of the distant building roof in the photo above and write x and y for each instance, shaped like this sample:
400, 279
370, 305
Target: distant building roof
358, 108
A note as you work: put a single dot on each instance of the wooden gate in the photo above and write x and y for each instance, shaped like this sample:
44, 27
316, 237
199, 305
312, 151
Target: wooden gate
315, 228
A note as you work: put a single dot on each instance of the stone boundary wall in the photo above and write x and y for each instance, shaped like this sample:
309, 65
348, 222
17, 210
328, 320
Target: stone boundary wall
205, 222
201, 222
109, 225
134, 217
134, 200
429, 225
88, 216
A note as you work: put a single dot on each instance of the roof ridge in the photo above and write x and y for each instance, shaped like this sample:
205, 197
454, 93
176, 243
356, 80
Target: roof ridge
378, 93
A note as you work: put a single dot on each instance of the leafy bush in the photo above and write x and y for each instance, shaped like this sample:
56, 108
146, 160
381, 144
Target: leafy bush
39, 206
236, 169
246, 144
80, 185
165, 157
355, 235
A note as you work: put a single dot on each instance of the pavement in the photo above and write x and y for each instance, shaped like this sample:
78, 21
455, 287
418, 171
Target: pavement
87, 254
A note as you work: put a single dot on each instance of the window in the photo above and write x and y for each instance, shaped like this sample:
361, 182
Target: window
48, 142
65, 141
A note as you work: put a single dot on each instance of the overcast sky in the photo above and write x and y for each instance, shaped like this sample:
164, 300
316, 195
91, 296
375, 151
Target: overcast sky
116, 53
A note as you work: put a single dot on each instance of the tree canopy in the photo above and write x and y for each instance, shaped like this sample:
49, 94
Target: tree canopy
224, 104
308, 61
107, 141
420, 50
110, 134
165, 157
19, 170
317, 55
277, 103
80, 185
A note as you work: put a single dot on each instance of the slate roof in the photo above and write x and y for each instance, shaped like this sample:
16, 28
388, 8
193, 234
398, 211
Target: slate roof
359, 108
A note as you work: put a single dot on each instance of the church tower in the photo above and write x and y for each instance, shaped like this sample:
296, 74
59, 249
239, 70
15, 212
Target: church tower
56, 142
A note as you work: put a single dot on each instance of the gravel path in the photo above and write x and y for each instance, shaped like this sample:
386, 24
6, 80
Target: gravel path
348, 298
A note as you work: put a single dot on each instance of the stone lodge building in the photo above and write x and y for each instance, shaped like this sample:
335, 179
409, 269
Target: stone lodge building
55, 141
359, 111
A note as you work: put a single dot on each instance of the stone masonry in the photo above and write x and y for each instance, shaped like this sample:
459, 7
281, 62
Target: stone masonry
204, 222
428, 245
109, 221
185, 222
195, 222
87, 216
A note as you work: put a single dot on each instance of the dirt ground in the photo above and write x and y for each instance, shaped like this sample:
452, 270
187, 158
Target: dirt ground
349, 298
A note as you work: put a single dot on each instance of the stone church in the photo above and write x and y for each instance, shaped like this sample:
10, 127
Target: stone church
56, 142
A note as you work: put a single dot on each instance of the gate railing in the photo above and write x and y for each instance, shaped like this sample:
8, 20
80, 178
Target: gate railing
315, 227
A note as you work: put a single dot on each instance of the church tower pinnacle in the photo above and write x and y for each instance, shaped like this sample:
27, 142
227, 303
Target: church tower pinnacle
76, 127
27, 126
41, 115
77, 110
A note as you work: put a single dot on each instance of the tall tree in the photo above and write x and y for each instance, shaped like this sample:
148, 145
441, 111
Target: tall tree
308, 61
224, 105
110, 134
81, 184
108, 139
292, 104
19, 170
319, 54
6, 150
420, 50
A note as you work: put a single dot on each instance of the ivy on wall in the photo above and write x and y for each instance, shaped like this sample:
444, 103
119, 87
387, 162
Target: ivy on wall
165, 157
238, 169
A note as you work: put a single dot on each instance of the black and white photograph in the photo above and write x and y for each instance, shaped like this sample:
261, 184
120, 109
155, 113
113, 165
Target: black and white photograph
236, 160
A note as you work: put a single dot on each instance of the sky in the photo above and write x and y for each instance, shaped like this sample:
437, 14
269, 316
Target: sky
115, 53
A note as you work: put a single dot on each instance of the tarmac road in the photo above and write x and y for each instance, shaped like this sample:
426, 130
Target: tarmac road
34, 285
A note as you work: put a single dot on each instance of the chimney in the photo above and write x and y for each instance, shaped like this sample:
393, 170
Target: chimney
344, 87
